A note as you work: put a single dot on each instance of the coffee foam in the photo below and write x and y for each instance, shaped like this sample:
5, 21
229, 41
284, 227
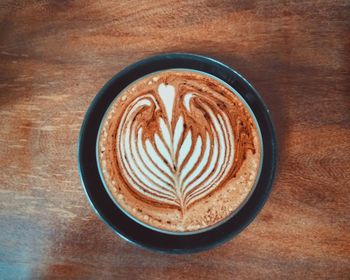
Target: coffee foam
179, 151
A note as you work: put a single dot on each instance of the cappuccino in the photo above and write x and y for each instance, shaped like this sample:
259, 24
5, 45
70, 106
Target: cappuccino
179, 151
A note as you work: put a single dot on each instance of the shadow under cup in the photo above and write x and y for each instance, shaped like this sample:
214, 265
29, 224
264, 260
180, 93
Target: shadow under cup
124, 223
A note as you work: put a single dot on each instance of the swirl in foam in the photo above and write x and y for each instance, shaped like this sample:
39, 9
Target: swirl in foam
171, 147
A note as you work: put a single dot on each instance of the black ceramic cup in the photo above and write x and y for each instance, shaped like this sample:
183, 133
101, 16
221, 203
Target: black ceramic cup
130, 229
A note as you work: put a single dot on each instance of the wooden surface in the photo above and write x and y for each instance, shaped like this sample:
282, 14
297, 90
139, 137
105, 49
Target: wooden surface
55, 56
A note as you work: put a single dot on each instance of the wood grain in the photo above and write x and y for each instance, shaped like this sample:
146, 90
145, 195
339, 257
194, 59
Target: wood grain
55, 56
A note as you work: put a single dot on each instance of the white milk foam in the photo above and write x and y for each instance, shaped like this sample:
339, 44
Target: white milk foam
157, 167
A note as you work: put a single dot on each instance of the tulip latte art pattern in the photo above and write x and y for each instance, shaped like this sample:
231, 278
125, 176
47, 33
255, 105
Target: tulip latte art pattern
170, 142
175, 165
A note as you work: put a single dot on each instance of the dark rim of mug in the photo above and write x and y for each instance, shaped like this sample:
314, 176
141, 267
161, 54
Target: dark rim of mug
111, 214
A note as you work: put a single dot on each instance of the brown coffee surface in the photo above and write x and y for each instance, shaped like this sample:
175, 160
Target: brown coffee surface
179, 151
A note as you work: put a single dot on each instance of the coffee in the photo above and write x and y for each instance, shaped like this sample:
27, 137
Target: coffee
179, 151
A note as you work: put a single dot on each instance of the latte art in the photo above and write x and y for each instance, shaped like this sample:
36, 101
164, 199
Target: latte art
180, 159
172, 142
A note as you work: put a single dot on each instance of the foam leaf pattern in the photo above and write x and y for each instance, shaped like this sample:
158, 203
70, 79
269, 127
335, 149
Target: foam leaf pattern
169, 160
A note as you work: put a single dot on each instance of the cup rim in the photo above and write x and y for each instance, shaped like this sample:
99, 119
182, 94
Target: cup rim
237, 94
100, 199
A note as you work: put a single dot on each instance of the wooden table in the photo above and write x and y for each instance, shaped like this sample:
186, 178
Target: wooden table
55, 56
